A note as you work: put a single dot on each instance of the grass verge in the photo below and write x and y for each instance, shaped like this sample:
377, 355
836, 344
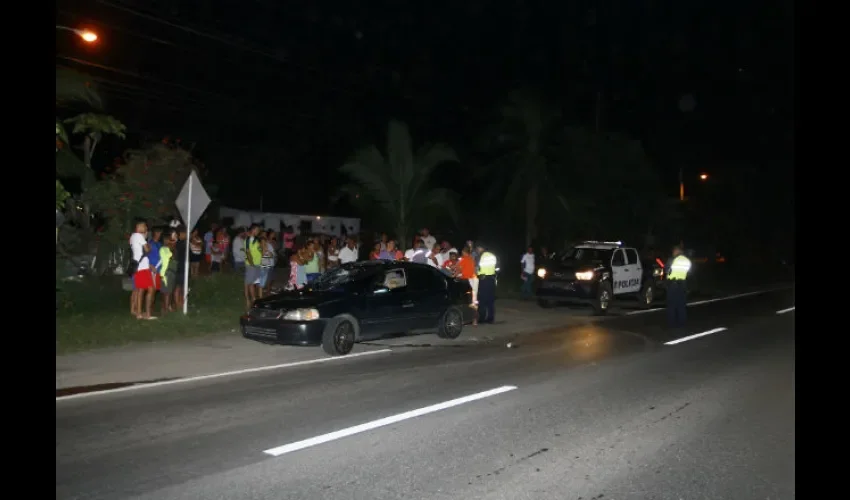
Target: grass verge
95, 313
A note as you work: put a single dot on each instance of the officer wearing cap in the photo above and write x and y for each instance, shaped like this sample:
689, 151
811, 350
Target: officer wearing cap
677, 275
486, 285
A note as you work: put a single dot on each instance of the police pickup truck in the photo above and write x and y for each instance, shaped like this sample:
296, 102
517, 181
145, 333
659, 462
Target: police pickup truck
597, 273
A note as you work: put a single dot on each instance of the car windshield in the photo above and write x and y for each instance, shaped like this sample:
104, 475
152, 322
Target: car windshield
336, 279
587, 255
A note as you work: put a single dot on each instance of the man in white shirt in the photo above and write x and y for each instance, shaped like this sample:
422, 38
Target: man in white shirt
144, 284
348, 253
239, 250
428, 239
527, 263
418, 253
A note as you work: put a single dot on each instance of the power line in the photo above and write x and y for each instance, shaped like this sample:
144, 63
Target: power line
187, 29
224, 98
133, 74
276, 58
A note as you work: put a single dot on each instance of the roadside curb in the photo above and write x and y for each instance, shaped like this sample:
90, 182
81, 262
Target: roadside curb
130, 386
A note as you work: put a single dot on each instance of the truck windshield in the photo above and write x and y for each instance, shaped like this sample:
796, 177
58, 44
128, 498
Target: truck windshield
587, 255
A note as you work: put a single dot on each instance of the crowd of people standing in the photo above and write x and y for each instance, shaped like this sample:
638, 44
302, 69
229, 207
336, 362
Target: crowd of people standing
283, 261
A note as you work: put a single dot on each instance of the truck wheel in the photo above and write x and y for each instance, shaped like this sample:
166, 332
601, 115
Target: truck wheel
647, 296
451, 324
338, 337
604, 297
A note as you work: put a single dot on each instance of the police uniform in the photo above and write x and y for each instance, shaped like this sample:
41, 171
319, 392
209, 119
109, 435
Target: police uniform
677, 291
487, 287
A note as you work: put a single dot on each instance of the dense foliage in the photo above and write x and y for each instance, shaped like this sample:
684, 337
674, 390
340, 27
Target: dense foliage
143, 184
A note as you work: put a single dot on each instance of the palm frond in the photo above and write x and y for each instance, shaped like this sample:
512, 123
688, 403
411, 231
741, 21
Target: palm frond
368, 169
427, 159
442, 199
73, 86
400, 152
398, 184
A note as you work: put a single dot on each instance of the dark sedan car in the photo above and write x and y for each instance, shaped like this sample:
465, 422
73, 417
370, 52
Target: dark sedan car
362, 301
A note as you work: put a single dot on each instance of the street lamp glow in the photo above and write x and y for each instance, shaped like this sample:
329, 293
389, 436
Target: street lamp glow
703, 177
87, 35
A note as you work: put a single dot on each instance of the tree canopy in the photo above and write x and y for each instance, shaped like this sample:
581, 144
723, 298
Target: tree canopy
396, 185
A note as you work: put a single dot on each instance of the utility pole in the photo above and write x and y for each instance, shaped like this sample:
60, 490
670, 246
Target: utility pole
598, 109
681, 185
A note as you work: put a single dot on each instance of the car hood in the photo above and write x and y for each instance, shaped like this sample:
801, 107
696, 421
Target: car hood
297, 299
568, 269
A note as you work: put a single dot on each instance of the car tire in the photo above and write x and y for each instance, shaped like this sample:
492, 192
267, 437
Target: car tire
546, 304
451, 324
338, 336
647, 296
603, 300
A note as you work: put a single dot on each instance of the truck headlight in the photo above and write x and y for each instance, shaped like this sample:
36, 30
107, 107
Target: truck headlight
541, 273
584, 276
302, 315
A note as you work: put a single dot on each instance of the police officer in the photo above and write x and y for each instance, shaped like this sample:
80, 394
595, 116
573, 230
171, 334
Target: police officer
677, 273
486, 285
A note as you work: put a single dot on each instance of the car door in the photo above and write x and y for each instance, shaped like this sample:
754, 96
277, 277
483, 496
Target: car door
634, 269
620, 271
386, 305
428, 291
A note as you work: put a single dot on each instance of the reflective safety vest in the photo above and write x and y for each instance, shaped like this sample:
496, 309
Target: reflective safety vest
164, 259
679, 268
487, 264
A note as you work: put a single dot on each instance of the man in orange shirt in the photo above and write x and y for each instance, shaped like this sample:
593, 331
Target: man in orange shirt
466, 268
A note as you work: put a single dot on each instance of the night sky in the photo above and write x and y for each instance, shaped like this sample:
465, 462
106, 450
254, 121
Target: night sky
275, 95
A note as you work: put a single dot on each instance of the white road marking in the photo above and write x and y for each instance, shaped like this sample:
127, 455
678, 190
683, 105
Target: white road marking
709, 301
368, 426
221, 375
695, 336
783, 311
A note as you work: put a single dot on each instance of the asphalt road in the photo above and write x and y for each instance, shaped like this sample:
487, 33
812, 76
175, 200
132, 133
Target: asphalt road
604, 411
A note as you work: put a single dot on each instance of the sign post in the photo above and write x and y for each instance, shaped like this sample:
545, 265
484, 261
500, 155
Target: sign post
191, 202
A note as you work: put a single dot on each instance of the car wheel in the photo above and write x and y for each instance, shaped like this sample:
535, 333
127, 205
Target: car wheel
546, 304
647, 296
451, 324
338, 337
604, 298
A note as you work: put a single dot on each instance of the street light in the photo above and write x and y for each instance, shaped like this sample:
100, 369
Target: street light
86, 35
703, 177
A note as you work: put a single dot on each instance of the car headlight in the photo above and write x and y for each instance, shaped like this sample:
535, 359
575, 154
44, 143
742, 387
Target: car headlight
584, 276
541, 273
302, 315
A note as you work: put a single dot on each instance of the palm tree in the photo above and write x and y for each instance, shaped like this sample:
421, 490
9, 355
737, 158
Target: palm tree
523, 166
397, 183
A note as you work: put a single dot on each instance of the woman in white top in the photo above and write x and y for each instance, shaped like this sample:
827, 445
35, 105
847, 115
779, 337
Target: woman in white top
267, 263
333, 254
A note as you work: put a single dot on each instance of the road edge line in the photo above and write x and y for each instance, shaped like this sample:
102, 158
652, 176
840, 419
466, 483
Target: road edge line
220, 375
718, 299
